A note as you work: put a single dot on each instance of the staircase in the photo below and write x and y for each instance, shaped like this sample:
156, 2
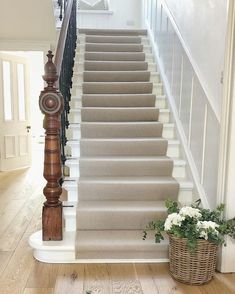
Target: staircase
125, 164
123, 154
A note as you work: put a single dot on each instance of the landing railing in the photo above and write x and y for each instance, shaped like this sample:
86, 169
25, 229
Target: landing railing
54, 104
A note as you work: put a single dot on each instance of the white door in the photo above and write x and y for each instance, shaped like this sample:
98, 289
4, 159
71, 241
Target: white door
15, 139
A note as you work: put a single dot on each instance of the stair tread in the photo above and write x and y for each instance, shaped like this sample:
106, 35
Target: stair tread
112, 32
116, 108
123, 123
127, 158
137, 180
126, 140
123, 205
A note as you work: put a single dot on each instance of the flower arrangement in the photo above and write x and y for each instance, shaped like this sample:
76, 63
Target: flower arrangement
193, 223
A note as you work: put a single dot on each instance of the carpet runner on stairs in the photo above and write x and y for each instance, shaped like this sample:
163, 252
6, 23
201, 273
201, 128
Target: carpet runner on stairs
124, 171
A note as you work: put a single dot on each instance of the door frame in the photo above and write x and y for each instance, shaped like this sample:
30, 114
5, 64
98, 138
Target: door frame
226, 170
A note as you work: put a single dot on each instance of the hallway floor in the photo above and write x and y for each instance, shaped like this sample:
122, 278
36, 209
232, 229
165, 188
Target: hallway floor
20, 215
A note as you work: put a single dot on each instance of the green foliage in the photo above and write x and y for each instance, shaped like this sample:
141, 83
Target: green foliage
193, 223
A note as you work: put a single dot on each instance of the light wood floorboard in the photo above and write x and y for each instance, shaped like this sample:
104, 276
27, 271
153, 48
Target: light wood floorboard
20, 215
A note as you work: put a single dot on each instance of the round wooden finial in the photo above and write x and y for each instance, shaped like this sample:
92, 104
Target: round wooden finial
50, 76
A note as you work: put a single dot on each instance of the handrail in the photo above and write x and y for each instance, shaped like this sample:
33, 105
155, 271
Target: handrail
62, 37
54, 104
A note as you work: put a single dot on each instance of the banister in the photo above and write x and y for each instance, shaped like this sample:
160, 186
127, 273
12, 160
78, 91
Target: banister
62, 36
54, 104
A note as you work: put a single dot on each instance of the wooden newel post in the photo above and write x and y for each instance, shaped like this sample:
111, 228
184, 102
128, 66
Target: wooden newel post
51, 104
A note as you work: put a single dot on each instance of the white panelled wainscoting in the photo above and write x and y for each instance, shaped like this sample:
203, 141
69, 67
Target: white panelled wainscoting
197, 123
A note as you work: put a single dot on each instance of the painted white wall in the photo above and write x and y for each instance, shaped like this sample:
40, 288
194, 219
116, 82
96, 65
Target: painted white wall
202, 24
27, 20
124, 14
197, 123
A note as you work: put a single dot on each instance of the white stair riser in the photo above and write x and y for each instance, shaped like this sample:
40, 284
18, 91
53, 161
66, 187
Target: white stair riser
167, 133
173, 150
178, 171
70, 224
164, 117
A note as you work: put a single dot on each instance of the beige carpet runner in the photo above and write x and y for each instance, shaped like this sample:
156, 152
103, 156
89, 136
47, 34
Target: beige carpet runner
125, 175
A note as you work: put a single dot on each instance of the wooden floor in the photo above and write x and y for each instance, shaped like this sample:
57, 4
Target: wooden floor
20, 215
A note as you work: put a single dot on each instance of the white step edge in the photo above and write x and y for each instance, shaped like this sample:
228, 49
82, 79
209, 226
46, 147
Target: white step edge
185, 190
179, 168
64, 251
167, 133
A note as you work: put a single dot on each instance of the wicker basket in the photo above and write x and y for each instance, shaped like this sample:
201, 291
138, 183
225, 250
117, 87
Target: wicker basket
194, 268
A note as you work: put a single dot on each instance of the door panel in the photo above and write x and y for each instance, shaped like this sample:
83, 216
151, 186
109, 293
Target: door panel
15, 139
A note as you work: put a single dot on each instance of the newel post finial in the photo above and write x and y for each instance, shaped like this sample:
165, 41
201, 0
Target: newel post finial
51, 105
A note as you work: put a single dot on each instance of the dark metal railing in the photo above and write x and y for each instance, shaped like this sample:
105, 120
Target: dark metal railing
65, 80
62, 5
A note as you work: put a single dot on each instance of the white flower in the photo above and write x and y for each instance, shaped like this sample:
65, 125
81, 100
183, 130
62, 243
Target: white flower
205, 227
173, 219
190, 211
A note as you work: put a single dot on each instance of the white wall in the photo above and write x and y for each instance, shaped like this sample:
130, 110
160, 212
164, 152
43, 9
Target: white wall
27, 20
202, 24
197, 123
123, 14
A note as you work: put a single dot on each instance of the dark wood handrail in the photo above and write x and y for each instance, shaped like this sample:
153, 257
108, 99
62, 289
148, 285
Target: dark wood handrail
62, 38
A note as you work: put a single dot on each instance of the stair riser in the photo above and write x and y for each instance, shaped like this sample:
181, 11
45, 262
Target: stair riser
81, 57
113, 48
121, 131
117, 88
178, 171
164, 117
103, 102
123, 170
74, 150
123, 115
157, 89
78, 79
123, 148
79, 67
116, 220
98, 168
143, 40
112, 192
168, 132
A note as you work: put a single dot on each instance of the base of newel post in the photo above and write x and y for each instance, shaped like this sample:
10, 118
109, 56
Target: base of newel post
52, 223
